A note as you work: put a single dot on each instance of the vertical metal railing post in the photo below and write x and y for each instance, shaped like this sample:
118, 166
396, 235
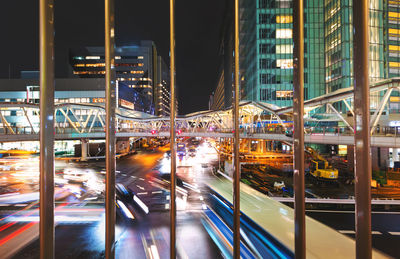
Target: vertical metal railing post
298, 125
362, 154
46, 129
110, 128
172, 132
236, 141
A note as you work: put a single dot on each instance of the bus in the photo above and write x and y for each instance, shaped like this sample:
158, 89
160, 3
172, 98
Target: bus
267, 226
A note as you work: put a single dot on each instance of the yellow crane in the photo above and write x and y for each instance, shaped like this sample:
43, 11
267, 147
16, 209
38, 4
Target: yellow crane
320, 167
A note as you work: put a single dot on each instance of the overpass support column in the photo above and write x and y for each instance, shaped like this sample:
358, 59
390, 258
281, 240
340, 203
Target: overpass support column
262, 146
268, 145
84, 149
258, 149
396, 154
350, 157
380, 156
242, 145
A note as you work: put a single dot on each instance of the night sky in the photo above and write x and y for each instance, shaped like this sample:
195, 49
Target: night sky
81, 23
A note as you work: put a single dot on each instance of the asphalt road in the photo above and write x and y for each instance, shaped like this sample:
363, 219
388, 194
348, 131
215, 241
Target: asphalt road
385, 230
147, 236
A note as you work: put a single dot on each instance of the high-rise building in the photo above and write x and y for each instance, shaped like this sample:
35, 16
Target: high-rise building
266, 41
162, 91
392, 32
138, 65
267, 51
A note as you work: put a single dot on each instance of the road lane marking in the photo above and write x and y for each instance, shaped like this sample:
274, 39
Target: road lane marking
140, 187
352, 212
353, 232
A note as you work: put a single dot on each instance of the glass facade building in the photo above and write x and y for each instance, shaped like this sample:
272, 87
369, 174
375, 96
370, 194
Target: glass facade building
266, 40
393, 37
267, 57
339, 45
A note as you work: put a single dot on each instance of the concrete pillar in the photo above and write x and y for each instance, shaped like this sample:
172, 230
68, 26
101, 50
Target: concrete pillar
242, 145
384, 158
228, 168
122, 146
262, 145
258, 146
396, 154
84, 149
350, 157
375, 158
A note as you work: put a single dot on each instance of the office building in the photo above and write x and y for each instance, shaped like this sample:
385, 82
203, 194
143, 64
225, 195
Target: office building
162, 95
266, 41
138, 66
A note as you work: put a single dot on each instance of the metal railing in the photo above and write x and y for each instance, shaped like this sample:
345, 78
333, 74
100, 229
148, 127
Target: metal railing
362, 136
342, 130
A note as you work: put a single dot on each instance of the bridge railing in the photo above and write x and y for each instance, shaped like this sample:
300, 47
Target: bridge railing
387, 131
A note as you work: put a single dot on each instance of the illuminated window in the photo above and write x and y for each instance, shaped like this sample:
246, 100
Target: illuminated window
79, 65
284, 49
394, 31
92, 57
284, 33
284, 63
394, 17
284, 19
89, 72
96, 65
284, 94
394, 34
283, 4
394, 51
140, 57
394, 64
117, 57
